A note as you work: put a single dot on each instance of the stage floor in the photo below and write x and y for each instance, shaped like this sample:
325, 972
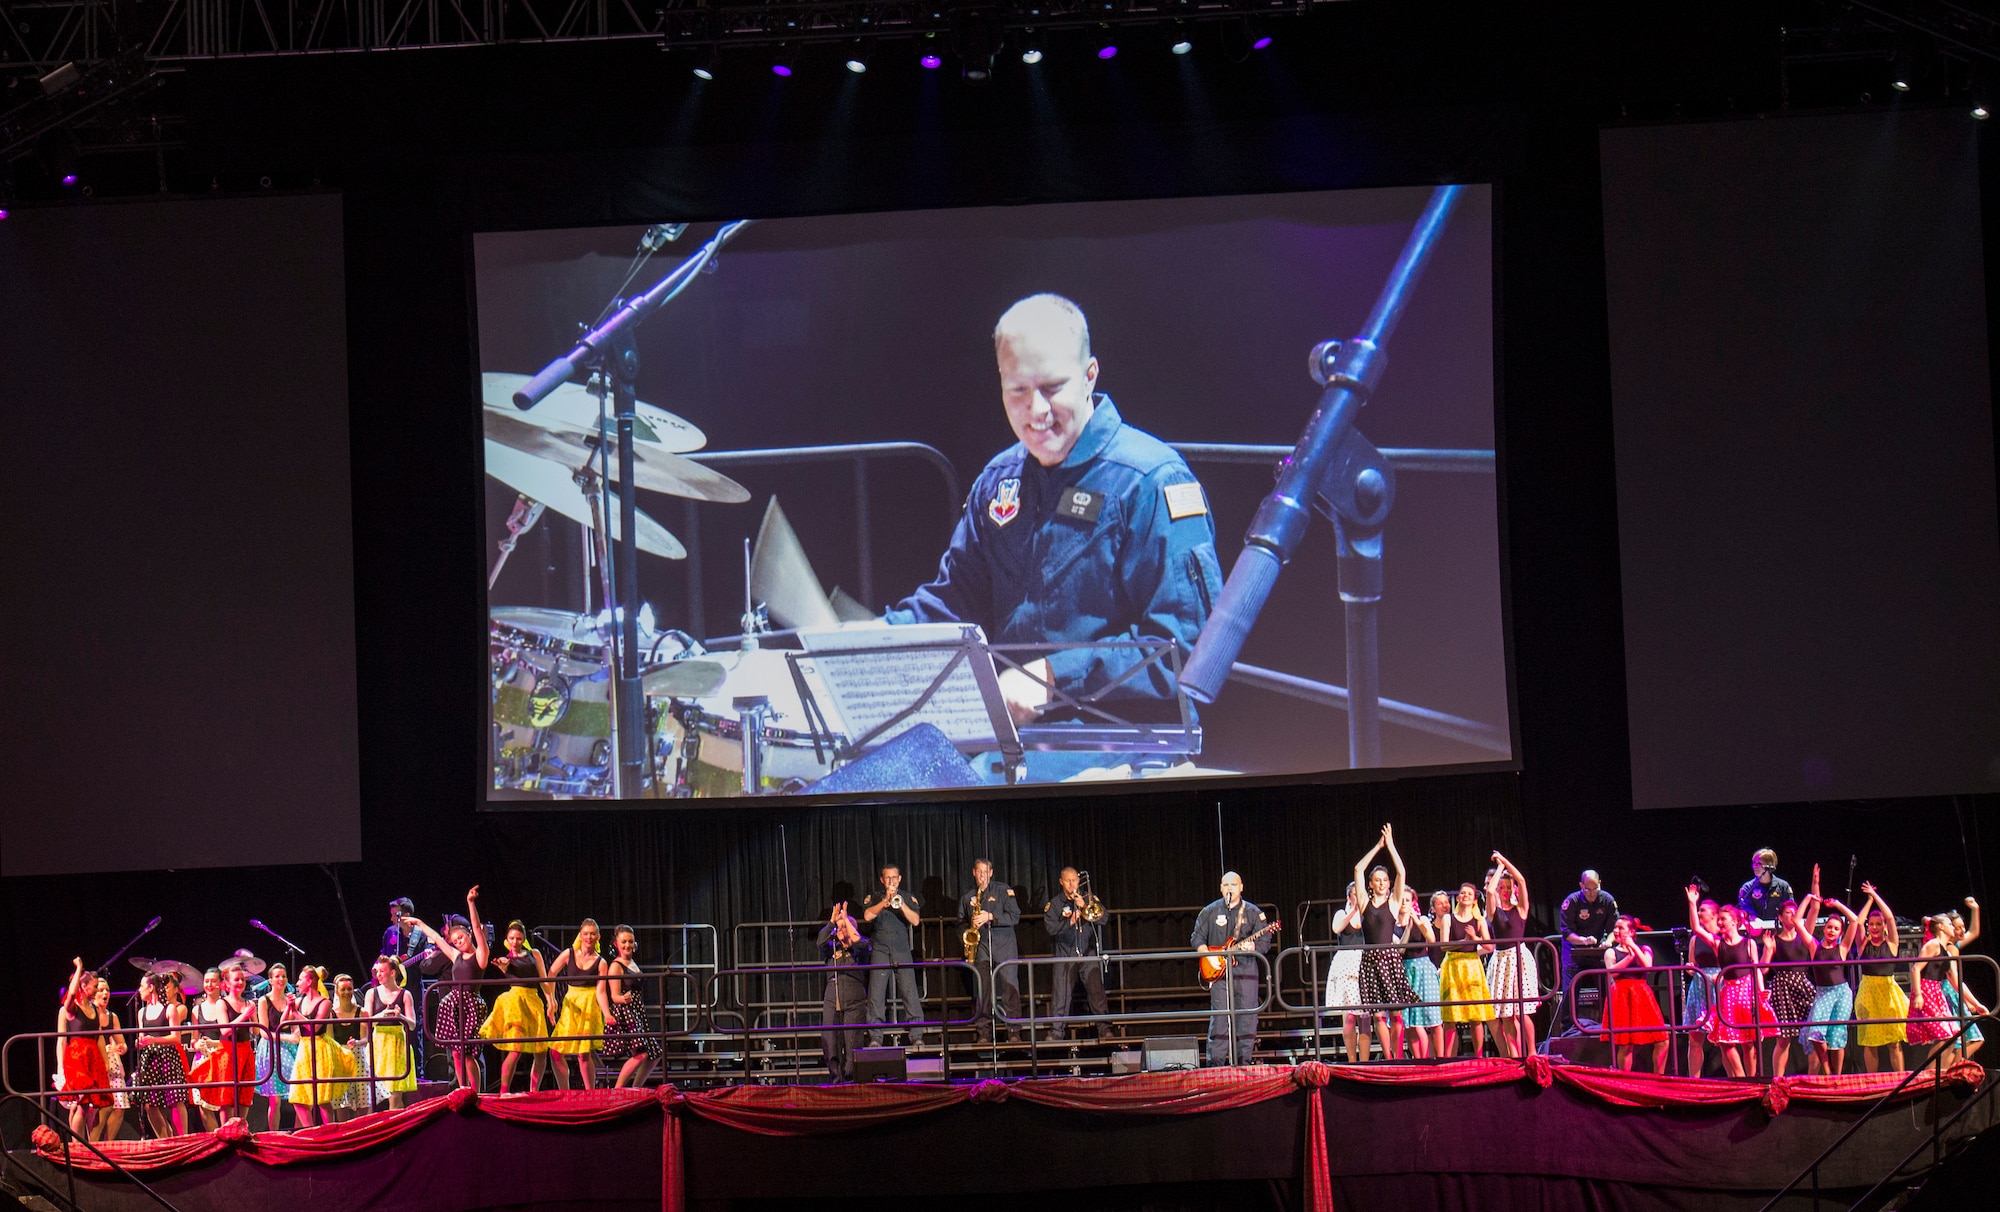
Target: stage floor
1474, 1135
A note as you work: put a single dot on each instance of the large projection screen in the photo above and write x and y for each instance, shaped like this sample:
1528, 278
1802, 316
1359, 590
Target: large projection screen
830, 426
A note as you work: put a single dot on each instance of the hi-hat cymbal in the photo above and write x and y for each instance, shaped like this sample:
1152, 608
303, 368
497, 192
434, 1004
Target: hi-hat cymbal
572, 407
684, 679
187, 974
653, 468
245, 960
541, 480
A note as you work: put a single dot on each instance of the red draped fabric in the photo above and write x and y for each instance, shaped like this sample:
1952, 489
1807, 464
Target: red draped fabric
816, 1110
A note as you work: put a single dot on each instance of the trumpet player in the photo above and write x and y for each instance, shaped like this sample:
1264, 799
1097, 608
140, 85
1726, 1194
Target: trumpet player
888, 918
1077, 946
991, 908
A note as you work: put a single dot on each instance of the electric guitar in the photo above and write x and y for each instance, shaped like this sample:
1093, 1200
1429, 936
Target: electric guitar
1216, 962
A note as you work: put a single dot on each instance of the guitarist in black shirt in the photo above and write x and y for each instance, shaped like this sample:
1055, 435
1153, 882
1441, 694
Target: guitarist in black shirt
1235, 925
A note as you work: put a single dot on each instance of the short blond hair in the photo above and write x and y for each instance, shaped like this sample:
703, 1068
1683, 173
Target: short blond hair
1046, 308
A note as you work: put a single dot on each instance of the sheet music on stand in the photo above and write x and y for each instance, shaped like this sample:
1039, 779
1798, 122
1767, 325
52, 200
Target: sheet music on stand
882, 681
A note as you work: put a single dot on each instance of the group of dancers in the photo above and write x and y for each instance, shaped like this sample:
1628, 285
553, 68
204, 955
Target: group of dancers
339, 1056
1820, 973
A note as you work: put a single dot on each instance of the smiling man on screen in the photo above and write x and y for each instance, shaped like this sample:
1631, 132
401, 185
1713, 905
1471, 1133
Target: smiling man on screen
1084, 529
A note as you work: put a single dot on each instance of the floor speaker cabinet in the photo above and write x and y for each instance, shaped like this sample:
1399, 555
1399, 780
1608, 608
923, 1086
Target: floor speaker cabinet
1125, 1060
1582, 1050
880, 1065
1171, 1052
925, 1069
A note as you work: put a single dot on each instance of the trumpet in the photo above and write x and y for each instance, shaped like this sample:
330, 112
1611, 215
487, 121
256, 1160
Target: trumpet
1093, 909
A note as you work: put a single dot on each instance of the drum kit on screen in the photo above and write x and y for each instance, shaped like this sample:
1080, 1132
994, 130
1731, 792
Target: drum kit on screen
553, 700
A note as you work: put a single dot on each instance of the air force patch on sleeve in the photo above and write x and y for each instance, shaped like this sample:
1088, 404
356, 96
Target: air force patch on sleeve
1185, 501
1006, 503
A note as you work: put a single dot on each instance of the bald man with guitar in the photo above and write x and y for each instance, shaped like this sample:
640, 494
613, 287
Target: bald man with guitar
1232, 927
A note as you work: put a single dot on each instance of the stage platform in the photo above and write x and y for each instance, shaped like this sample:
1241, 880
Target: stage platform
1486, 1134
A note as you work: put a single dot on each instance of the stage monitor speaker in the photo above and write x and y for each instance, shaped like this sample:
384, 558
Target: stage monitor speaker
880, 1065
922, 759
1171, 1052
925, 1069
1125, 1060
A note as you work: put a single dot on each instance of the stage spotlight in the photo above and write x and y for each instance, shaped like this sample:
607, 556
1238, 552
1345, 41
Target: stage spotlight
779, 69
1031, 48
709, 63
1181, 46
928, 58
857, 65
1031, 56
3, 214
978, 39
1910, 65
1107, 51
1982, 95
69, 179
781, 64
1262, 41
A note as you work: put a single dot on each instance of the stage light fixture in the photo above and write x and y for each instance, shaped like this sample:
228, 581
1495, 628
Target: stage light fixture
857, 65
3, 214
709, 63
977, 37
1981, 112
1031, 48
69, 179
1982, 95
1181, 46
1910, 66
1107, 51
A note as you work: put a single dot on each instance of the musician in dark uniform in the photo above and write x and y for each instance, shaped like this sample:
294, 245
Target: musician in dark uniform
842, 944
991, 906
1587, 916
888, 917
1228, 924
1084, 529
1072, 936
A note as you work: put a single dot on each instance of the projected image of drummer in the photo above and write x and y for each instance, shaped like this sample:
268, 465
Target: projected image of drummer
848, 576
1087, 528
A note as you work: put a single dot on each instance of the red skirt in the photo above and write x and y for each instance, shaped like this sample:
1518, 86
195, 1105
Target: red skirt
1635, 1014
1930, 1003
83, 1069
1741, 1017
234, 1063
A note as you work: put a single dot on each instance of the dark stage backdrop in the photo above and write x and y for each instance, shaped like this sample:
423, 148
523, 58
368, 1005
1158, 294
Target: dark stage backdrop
431, 148
179, 562
1808, 536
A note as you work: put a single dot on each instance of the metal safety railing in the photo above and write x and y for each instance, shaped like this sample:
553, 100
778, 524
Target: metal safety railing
1187, 958
274, 1037
691, 947
1670, 1017
71, 1138
975, 1000
436, 993
1308, 954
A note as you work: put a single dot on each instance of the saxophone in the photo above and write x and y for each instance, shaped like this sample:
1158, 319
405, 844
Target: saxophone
971, 936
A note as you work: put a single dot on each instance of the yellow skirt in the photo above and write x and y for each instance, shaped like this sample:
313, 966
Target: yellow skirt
581, 1015
1880, 997
518, 1023
1463, 981
395, 1072
321, 1057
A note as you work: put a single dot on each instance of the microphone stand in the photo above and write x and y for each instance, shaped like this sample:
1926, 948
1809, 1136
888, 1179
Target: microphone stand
609, 352
1338, 471
296, 951
118, 954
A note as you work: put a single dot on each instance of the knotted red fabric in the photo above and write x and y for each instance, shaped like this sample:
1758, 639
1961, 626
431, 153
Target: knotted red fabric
1319, 1179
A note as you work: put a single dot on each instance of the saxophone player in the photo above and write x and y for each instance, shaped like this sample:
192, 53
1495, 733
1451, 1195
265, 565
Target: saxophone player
1077, 946
991, 909
889, 918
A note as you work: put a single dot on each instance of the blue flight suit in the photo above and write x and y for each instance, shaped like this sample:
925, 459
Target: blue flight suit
1116, 542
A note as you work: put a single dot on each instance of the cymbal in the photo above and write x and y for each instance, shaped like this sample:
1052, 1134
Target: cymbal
140, 962
572, 407
782, 577
653, 468
684, 679
541, 480
250, 964
190, 977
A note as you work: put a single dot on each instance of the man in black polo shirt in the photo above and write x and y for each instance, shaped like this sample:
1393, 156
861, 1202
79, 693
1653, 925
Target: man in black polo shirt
889, 917
843, 948
1074, 939
1587, 917
1763, 894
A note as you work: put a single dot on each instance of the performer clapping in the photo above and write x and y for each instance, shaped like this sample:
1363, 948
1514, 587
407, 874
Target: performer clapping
845, 949
1463, 978
519, 1023
1632, 1013
1879, 998
1511, 972
1384, 985
394, 1013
